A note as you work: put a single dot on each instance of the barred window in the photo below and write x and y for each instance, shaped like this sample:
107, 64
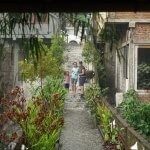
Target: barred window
125, 61
143, 68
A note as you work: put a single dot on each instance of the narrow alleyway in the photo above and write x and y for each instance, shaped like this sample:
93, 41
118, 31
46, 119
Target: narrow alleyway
79, 132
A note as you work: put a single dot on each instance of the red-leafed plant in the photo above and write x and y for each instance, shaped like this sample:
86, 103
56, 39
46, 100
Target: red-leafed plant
39, 120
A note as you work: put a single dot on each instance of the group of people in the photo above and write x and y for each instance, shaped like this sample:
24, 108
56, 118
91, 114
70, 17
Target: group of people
77, 72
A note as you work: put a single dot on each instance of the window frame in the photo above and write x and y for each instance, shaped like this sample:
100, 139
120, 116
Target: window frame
136, 64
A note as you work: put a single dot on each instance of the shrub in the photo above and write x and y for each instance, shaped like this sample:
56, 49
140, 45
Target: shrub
143, 76
40, 120
136, 113
87, 52
49, 61
94, 56
58, 47
92, 95
105, 118
52, 86
46, 66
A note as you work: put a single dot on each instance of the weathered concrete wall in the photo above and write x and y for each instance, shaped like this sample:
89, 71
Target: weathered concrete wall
7, 68
9, 62
110, 71
45, 29
138, 35
114, 66
131, 60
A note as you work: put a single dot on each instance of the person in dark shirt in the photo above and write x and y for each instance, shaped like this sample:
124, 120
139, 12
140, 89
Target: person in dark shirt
82, 77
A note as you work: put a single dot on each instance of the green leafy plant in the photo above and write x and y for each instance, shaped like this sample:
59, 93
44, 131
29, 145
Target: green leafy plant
136, 113
111, 131
91, 54
44, 124
52, 86
87, 52
105, 119
58, 47
92, 95
49, 63
143, 76
112, 35
25, 22
98, 61
39, 120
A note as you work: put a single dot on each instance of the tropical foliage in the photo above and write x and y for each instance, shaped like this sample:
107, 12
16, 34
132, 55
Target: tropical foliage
93, 29
143, 74
94, 55
41, 117
39, 120
52, 86
94, 96
49, 63
136, 113
58, 47
90, 24
88, 52
12, 23
105, 119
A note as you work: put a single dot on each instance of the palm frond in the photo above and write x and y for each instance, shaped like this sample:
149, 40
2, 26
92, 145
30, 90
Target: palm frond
24, 22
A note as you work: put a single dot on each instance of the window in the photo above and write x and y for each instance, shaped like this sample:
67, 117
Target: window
125, 61
143, 68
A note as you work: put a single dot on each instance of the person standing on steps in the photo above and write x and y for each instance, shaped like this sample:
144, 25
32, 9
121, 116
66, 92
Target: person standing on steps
74, 77
82, 77
66, 80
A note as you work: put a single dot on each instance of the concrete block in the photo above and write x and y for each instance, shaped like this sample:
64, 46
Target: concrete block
119, 98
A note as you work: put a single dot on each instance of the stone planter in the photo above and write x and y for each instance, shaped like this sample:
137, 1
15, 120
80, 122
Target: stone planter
100, 131
99, 128
94, 120
57, 145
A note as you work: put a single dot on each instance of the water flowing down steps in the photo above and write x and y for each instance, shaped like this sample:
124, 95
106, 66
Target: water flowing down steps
79, 132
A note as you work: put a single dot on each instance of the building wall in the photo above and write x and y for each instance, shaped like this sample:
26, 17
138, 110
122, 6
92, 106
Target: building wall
7, 68
135, 36
9, 61
114, 66
131, 15
142, 31
110, 71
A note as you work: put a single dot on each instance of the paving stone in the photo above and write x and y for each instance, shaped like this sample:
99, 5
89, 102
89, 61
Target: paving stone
79, 132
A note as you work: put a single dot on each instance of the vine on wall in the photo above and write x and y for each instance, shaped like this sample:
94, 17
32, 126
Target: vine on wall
93, 55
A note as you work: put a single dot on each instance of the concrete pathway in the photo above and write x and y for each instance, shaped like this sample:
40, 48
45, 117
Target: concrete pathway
79, 132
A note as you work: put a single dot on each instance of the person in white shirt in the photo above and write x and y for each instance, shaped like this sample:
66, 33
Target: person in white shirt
74, 77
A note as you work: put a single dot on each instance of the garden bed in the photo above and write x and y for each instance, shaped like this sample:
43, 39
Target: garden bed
116, 132
128, 136
100, 131
107, 145
40, 118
